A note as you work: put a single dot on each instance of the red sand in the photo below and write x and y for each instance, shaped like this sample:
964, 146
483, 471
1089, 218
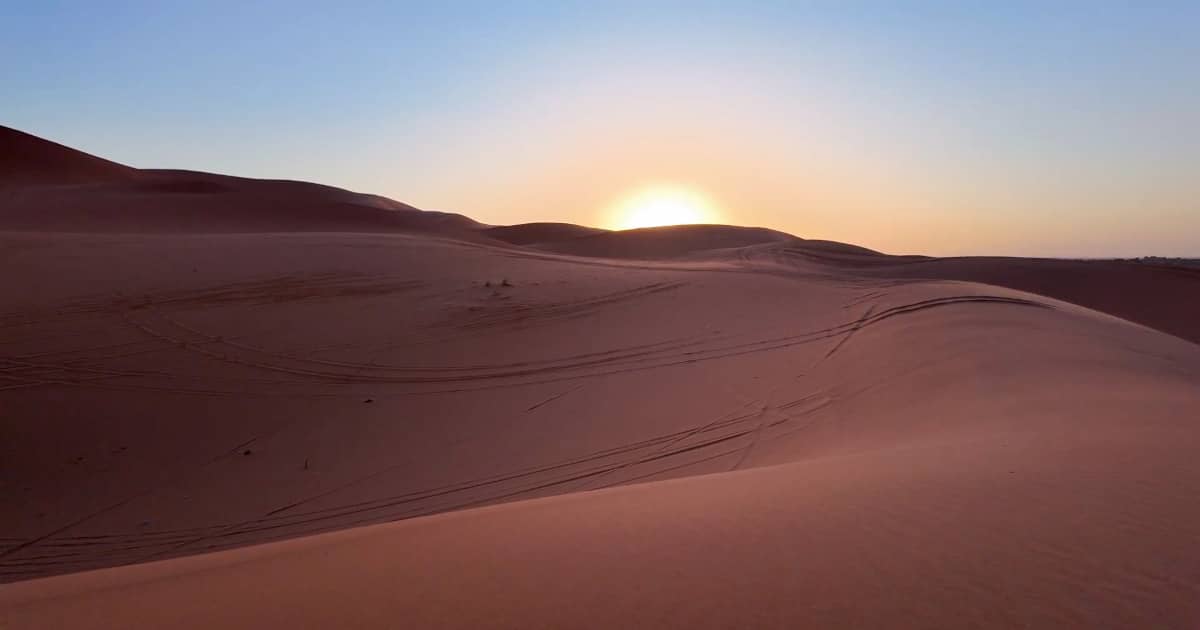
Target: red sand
682, 427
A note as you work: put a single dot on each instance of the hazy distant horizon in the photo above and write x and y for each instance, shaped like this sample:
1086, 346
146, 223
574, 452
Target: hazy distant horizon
1070, 132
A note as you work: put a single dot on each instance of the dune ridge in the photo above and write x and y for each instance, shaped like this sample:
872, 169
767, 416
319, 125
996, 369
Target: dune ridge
27, 160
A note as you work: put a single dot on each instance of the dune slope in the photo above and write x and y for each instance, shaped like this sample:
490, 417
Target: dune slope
1164, 297
51, 188
27, 160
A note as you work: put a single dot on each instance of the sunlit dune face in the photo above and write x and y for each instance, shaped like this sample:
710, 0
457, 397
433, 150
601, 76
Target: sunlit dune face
662, 205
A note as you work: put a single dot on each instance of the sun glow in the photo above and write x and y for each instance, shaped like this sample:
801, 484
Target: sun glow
662, 205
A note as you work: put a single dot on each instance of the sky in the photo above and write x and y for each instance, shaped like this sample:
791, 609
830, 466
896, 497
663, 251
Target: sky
971, 127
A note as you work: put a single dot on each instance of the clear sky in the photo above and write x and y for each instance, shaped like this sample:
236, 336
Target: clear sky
1047, 128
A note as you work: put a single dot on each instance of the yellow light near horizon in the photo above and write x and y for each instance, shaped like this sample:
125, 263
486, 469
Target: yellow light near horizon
662, 205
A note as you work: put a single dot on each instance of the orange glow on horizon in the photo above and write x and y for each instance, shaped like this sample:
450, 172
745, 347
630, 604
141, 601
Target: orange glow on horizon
659, 205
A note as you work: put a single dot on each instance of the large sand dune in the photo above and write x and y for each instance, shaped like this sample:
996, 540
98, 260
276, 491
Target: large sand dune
554, 426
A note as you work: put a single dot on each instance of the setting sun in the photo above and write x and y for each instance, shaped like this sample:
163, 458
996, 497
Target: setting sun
662, 205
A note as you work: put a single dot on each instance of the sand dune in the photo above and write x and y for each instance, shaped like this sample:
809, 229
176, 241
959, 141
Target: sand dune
1164, 297
679, 241
381, 417
183, 202
534, 233
51, 188
27, 160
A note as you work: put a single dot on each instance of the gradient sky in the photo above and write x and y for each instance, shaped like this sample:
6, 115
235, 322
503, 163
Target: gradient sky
1050, 128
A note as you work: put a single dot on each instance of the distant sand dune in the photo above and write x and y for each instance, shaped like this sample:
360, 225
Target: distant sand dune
534, 233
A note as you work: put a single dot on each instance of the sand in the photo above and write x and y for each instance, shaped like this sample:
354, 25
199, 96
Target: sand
244, 404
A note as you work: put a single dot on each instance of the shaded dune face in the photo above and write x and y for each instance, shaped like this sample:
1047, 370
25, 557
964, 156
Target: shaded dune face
279, 404
680, 241
534, 233
27, 160
49, 187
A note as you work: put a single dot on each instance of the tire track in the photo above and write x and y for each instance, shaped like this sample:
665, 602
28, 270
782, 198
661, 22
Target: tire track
54, 551
105, 549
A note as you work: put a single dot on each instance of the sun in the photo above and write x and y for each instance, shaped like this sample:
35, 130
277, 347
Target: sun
662, 205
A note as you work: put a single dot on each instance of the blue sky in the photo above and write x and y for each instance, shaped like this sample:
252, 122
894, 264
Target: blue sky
947, 128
